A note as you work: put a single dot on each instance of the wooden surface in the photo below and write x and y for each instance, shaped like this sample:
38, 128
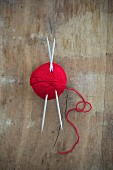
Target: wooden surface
84, 47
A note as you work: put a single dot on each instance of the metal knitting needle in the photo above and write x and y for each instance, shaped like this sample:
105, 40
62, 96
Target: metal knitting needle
49, 51
58, 107
44, 112
51, 69
53, 49
57, 101
45, 104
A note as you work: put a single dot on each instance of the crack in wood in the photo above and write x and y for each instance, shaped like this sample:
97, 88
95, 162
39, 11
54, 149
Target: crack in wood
50, 25
66, 97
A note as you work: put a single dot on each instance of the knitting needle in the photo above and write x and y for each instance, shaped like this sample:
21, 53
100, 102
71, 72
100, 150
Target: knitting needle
58, 107
45, 105
51, 69
57, 101
51, 55
49, 51
44, 112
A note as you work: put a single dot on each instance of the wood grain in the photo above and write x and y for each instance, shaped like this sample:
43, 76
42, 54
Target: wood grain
84, 47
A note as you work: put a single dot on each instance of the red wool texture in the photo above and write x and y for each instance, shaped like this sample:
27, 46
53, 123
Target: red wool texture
45, 83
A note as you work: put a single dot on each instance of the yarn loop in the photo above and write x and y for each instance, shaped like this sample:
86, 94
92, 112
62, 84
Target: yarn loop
79, 110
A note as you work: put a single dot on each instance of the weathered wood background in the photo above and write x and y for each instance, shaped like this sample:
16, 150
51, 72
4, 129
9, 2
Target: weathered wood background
84, 47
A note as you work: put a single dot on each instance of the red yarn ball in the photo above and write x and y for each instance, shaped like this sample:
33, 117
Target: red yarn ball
45, 82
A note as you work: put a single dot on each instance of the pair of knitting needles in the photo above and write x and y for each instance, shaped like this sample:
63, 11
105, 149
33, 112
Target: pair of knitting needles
46, 98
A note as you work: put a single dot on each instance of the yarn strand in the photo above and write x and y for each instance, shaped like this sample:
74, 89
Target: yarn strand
79, 110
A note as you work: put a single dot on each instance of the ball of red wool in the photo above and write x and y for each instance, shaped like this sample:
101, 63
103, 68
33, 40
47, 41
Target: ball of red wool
45, 82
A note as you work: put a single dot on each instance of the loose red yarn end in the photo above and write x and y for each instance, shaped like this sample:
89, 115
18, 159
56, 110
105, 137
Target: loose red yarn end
79, 110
